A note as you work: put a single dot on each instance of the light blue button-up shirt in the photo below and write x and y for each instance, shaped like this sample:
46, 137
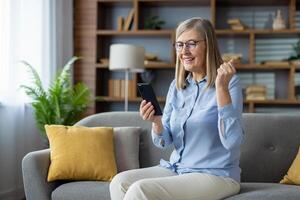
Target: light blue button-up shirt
206, 137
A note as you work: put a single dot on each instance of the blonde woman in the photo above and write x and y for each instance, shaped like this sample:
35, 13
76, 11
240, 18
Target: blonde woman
201, 119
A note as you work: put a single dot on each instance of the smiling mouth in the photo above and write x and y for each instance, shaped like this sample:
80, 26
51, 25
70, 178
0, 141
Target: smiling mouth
188, 60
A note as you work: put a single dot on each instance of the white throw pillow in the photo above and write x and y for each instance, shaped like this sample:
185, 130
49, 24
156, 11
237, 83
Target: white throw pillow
126, 142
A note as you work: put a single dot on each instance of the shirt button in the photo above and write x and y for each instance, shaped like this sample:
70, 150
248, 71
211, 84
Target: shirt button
162, 142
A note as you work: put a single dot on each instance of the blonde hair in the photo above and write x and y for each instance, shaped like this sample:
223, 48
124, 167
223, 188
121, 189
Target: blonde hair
213, 57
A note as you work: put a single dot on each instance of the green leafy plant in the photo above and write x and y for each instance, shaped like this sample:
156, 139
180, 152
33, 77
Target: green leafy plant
296, 48
62, 103
153, 22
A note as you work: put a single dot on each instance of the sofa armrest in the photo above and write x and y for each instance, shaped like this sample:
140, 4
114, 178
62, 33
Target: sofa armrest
35, 170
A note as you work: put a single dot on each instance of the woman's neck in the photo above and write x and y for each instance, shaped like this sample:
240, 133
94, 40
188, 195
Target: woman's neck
197, 76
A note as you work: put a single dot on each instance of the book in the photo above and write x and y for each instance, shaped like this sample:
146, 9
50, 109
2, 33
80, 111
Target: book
104, 61
122, 88
120, 23
130, 85
133, 88
110, 88
234, 21
256, 89
117, 86
129, 20
237, 27
255, 97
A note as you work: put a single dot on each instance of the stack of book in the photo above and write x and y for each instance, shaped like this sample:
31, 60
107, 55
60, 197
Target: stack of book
256, 92
116, 88
236, 24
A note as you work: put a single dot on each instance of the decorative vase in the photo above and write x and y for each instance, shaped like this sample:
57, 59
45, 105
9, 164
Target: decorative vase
278, 22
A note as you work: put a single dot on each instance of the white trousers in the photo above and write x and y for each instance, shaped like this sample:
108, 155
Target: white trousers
158, 183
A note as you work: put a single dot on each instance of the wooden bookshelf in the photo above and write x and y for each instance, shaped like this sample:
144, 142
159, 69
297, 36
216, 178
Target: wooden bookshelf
95, 29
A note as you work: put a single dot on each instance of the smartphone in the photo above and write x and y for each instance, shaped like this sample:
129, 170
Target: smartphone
147, 93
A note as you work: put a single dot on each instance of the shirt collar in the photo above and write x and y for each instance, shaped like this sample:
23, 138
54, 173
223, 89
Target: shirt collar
189, 79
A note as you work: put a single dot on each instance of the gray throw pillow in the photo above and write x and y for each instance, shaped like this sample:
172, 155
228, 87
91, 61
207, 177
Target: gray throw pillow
126, 142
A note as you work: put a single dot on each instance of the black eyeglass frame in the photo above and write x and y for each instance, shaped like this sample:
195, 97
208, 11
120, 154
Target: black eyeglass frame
186, 44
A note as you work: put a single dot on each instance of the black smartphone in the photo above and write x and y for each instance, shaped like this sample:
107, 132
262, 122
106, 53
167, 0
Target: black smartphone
147, 93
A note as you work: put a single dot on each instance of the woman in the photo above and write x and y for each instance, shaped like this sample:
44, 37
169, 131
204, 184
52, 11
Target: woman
201, 119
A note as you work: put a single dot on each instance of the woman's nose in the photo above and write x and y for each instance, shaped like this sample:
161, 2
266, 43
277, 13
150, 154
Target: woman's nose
186, 51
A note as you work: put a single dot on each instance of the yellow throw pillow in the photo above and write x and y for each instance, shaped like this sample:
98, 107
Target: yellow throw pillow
81, 153
293, 174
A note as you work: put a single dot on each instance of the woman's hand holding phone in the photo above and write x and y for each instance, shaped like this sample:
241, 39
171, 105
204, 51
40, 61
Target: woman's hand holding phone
147, 113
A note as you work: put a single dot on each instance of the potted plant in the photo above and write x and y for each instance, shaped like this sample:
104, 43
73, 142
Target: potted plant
153, 22
62, 103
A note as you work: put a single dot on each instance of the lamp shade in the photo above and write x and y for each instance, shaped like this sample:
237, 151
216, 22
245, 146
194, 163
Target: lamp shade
126, 57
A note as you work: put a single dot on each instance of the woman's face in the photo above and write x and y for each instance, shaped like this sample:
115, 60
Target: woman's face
191, 49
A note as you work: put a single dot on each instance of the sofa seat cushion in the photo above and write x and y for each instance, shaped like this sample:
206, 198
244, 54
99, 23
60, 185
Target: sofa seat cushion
263, 191
82, 190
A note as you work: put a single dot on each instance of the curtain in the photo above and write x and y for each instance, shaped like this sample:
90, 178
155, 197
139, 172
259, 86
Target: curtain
39, 32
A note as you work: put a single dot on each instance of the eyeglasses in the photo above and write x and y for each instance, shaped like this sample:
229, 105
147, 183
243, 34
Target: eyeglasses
190, 45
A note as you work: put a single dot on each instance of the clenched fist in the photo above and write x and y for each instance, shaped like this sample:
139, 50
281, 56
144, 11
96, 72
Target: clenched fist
224, 74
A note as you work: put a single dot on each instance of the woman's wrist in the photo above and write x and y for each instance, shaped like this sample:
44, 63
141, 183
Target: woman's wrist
157, 127
223, 96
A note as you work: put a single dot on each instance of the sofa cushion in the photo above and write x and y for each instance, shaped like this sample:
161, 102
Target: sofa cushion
293, 174
82, 190
81, 153
271, 143
126, 142
263, 191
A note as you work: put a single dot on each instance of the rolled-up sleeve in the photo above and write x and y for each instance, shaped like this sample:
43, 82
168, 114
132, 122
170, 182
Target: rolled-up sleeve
230, 117
165, 138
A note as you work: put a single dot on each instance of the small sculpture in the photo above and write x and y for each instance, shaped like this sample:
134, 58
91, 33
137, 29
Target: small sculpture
278, 22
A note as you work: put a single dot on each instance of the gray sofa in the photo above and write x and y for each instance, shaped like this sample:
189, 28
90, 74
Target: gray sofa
272, 142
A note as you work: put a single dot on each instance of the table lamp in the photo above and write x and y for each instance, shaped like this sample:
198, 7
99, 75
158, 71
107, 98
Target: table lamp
128, 58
